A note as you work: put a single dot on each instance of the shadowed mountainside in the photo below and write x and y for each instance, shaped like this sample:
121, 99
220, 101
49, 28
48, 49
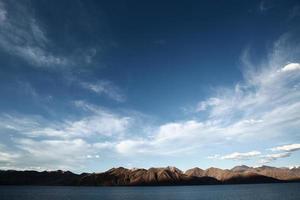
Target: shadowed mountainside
153, 176
12, 177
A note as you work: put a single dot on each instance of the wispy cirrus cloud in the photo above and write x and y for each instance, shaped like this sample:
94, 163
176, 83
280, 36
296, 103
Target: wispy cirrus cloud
203, 105
7, 157
53, 154
23, 35
287, 151
262, 158
40, 143
237, 156
262, 7
294, 13
288, 148
272, 157
3, 13
97, 121
265, 105
105, 87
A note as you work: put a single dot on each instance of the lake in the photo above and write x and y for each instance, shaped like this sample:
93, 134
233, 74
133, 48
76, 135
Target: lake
286, 191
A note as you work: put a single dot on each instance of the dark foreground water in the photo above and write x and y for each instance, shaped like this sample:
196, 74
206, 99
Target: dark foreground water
287, 191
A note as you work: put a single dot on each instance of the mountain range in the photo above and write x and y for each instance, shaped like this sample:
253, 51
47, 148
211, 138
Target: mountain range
153, 176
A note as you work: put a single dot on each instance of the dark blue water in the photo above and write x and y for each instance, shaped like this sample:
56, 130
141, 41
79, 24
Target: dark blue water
287, 191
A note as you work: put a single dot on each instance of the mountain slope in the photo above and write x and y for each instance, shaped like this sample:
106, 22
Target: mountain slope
12, 177
248, 174
153, 176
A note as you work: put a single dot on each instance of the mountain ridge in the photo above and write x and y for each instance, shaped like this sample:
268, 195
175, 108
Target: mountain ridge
153, 176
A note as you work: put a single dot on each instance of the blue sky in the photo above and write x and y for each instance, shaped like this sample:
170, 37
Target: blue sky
90, 85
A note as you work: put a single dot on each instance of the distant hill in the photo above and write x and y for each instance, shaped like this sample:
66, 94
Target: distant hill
153, 176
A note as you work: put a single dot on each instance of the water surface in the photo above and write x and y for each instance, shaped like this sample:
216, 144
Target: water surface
286, 191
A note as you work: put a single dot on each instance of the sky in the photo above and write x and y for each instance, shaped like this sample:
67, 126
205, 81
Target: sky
90, 85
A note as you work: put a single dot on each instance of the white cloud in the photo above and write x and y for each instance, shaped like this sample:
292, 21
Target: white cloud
96, 122
92, 156
7, 157
131, 146
104, 145
4, 157
216, 156
289, 148
21, 35
237, 156
105, 87
3, 13
53, 154
173, 131
105, 124
203, 105
240, 156
272, 157
290, 67
18, 123
38, 56
43, 144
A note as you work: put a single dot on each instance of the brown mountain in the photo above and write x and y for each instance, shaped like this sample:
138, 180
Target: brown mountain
241, 168
153, 176
264, 173
279, 173
195, 172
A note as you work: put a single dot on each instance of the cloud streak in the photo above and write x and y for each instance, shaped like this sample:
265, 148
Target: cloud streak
6, 157
53, 154
42, 144
286, 151
272, 157
265, 158
291, 67
24, 36
288, 148
237, 156
106, 88
240, 156
97, 122
21, 35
